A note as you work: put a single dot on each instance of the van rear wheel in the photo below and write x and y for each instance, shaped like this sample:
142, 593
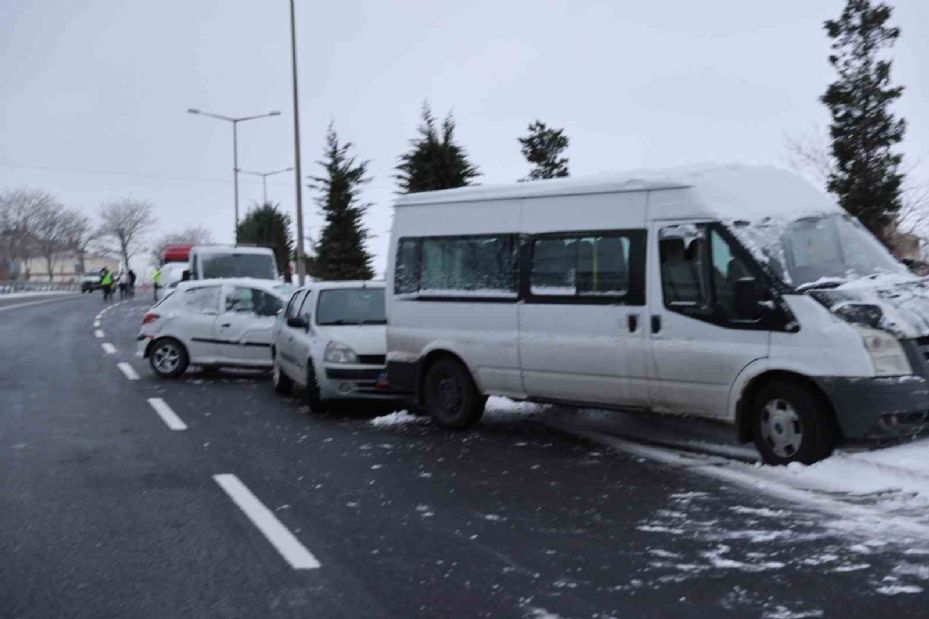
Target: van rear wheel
451, 398
792, 423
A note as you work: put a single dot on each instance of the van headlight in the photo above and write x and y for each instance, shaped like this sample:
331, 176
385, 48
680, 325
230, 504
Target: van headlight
886, 353
337, 352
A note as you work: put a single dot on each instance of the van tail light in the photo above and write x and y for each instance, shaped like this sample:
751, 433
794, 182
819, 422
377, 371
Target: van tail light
150, 317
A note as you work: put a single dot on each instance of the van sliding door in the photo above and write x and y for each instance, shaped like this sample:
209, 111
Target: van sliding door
582, 335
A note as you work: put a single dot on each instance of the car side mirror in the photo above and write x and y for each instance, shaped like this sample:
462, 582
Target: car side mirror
185, 276
748, 299
298, 322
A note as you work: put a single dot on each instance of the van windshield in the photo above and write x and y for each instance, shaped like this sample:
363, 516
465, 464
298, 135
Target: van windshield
816, 252
259, 266
351, 306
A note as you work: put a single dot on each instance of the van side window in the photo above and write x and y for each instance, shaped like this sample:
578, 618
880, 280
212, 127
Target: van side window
406, 278
727, 270
466, 265
580, 265
680, 249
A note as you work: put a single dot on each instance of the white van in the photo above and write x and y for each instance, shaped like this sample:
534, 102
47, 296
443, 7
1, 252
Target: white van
735, 293
222, 261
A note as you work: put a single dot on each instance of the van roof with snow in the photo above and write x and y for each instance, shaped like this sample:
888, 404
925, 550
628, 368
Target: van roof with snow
725, 192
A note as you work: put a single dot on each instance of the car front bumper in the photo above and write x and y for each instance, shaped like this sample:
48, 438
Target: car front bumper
876, 408
356, 382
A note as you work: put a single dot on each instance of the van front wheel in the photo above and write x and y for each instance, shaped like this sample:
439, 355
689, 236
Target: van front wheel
791, 423
450, 395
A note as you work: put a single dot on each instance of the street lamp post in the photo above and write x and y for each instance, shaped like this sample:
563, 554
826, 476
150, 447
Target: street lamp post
264, 180
301, 266
235, 149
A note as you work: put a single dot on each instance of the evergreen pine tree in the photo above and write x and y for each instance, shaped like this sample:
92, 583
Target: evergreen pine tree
266, 226
340, 252
542, 148
434, 161
866, 177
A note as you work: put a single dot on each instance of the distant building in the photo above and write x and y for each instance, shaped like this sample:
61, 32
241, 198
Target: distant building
66, 267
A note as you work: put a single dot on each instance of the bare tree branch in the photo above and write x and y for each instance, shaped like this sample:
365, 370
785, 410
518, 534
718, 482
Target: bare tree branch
125, 222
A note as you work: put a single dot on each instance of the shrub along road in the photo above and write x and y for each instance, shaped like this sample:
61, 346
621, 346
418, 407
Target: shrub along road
125, 495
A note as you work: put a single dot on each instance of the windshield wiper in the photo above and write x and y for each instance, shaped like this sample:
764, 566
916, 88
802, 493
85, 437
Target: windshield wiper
824, 284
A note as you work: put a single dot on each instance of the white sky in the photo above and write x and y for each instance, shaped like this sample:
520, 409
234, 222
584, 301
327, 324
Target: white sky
94, 92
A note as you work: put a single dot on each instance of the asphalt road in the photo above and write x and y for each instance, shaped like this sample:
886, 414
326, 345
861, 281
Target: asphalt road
107, 512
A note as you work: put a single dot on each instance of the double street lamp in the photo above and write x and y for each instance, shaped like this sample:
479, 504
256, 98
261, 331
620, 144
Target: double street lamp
264, 180
235, 149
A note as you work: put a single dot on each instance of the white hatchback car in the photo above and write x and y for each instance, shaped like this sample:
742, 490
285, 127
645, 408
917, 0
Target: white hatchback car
212, 323
331, 341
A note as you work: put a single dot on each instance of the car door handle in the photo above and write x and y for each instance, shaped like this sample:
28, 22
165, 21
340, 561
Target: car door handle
656, 324
633, 320
226, 324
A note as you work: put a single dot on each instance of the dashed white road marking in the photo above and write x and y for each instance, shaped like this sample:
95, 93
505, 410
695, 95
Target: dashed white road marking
167, 415
99, 333
108, 348
127, 370
280, 537
96, 323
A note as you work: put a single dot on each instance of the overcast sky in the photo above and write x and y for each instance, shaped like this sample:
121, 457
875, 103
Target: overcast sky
94, 92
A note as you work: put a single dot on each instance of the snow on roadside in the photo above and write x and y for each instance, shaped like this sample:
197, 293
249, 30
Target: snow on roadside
396, 419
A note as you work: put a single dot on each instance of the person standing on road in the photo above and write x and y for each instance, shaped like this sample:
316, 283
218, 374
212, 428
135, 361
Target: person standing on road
123, 280
106, 283
131, 284
156, 279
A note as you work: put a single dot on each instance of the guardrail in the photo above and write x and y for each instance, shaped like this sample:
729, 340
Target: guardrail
9, 287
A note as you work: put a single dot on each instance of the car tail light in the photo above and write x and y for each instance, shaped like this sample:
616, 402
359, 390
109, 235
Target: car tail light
150, 317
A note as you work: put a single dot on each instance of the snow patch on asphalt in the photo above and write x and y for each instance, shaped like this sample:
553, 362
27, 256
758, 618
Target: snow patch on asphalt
397, 419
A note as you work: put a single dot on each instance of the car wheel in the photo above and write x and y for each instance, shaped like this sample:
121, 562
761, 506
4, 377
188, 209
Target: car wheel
280, 380
168, 358
792, 423
313, 398
450, 395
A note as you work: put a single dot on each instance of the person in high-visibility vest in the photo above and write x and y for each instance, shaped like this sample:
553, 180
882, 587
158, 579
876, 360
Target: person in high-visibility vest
156, 280
106, 283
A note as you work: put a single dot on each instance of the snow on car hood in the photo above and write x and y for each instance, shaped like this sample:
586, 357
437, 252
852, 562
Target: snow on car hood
895, 303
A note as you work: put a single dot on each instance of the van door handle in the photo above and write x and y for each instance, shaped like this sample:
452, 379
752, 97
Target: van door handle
656, 324
633, 323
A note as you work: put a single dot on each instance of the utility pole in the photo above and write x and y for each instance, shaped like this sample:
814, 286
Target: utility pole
298, 177
264, 179
235, 150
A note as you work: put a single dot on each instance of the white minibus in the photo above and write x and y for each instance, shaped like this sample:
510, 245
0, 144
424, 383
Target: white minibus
224, 261
735, 293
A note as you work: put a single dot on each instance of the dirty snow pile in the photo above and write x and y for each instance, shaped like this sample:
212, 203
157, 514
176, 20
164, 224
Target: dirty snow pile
397, 418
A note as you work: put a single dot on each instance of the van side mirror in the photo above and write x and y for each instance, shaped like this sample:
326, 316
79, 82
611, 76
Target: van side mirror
748, 299
185, 275
298, 322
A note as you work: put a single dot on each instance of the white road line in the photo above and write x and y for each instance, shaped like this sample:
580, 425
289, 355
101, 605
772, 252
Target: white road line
282, 539
127, 370
96, 324
9, 307
167, 415
99, 333
108, 348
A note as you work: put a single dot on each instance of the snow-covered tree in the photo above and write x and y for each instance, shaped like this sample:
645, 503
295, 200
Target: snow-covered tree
434, 160
542, 147
864, 130
340, 251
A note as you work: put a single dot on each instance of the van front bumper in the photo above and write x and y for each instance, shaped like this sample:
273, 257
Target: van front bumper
876, 408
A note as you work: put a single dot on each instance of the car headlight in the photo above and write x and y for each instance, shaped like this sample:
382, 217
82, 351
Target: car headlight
886, 353
337, 352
